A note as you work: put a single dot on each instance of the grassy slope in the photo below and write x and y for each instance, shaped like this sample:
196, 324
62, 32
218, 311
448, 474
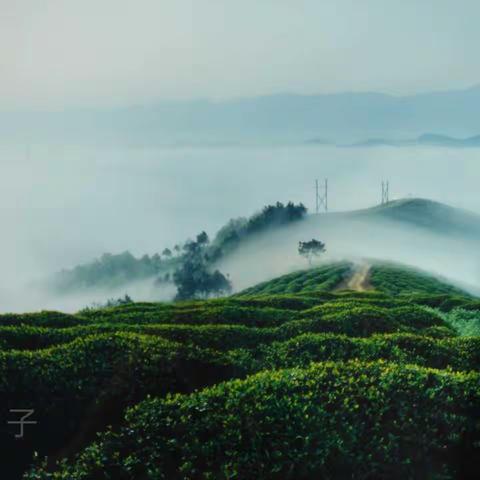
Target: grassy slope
362, 398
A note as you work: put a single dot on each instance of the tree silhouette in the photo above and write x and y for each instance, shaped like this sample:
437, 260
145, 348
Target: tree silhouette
193, 279
202, 238
311, 249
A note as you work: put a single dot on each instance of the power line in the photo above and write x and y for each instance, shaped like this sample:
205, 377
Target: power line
321, 196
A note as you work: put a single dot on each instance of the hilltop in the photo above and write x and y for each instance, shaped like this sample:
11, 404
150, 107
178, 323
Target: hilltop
428, 214
389, 278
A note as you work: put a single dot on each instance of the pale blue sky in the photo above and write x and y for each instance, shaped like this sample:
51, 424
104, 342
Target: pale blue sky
59, 53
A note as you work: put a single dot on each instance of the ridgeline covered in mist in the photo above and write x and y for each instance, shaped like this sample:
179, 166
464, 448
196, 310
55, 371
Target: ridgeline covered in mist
250, 250
112, 271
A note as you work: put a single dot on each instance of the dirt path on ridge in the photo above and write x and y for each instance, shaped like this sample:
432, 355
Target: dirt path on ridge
359, 280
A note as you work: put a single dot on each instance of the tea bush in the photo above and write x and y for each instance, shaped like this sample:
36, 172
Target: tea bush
321, 279
332, 420
78, 388
455, 353
360, 398
395, 279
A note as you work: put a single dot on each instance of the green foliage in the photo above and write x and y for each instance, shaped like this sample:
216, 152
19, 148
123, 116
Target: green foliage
219, 337
214, 314
465, 322
108, 271
455, 353
311, 249
228, 327
273, 317
117, 270
273, 215
231, 235
176, 370
79, 388
359, 319
193, 278
322, 279
331, 420
44, 318
394, 279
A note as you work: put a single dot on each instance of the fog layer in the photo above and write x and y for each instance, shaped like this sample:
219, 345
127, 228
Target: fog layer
61, 206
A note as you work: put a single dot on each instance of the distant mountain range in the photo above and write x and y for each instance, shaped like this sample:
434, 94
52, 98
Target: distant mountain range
427, 139
342, 118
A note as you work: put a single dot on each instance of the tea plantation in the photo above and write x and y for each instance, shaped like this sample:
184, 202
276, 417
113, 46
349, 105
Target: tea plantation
290, 379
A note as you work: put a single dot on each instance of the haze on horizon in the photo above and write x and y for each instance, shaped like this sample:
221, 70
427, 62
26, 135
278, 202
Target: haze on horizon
99, 54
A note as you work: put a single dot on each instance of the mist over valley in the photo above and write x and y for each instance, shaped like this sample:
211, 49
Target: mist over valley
66, 206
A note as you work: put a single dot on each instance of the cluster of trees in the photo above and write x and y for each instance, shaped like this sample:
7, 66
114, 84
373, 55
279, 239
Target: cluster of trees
109, 271
273, 215
236, 230
188, 266
117, 270
193, 278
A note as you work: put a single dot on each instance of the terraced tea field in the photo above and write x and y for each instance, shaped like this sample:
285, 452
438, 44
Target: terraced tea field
292, 378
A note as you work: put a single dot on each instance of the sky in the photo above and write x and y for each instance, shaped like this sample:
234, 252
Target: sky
56, 54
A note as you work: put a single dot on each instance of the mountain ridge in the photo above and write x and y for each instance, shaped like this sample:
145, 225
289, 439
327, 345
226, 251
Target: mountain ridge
343, 117
437, 215
426, 139
420, 212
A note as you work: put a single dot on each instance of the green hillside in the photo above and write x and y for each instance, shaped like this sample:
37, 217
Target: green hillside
294, 378
427, 214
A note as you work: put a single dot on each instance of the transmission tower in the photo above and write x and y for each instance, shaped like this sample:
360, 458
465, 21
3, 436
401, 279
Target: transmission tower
385, 192
321, 196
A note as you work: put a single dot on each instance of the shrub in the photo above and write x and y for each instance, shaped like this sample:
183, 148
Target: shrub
465, 322
78, 389
456, 353
202, 315
322, 279
395, 279
331, 420
364, 320
42, 319
80, 373
219, 337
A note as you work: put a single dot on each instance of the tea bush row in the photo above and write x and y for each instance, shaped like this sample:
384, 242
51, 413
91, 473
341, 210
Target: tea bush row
331, 420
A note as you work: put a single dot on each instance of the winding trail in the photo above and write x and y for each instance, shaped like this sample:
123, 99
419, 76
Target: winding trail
359, 280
